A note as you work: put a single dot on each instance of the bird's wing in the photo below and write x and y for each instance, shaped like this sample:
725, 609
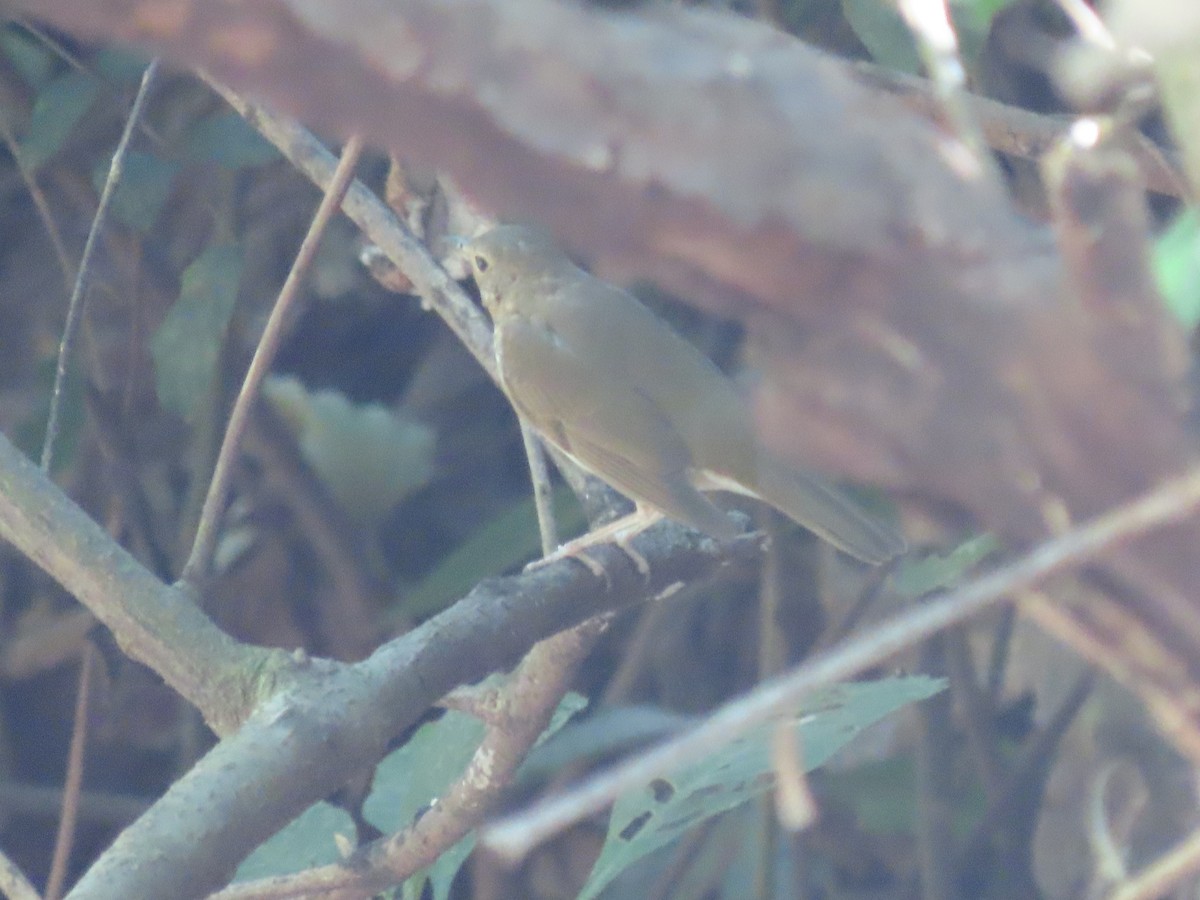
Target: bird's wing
603, 419
610, 328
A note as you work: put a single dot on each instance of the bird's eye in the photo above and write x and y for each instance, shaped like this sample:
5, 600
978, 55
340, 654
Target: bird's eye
481, 263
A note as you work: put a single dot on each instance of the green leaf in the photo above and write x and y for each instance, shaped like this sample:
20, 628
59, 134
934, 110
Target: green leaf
919, 577
883, 31
977, 14
224, 138
369, 456
407, 780
878, 25
972, 22
187, 346
121, 66
568, 706
883, 794
609, 731
645, 820
56, 111
420, 771
29, 57
305, 842
144, 187
1177, 265
506, 541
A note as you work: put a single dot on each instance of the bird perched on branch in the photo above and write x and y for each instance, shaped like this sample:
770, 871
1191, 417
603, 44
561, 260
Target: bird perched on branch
616, 389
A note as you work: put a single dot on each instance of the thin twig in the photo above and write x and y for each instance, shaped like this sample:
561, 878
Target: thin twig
523, 711
75, 304
998, 659
772, 646
978, 714
1022, 132
794, 804
1006, 819
637, 649
196, 568
1116, 799
1089, 25
937, 45
934, 815
69, 815
543, 490
1171, 501
437, 290
1158, 878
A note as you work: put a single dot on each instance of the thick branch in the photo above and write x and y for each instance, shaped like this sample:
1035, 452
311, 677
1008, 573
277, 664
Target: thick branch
154, 623
724, 157
334, 720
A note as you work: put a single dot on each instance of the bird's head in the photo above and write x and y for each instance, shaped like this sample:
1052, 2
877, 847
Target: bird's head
512, 265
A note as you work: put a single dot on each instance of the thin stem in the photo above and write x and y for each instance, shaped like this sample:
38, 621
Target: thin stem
934, 819
978, 714
543, 494
1157, 879
937, 45
200, 558
522, 713
436, 289
1089, 25
74, 781
1020, 132
75, 304
1005, 819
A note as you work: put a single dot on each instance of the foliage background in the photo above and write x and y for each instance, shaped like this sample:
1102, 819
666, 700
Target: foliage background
381, 427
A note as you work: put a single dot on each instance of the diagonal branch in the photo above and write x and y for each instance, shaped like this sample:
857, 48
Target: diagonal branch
156, 624
332, 720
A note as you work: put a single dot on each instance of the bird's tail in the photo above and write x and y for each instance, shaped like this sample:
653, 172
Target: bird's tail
827, 511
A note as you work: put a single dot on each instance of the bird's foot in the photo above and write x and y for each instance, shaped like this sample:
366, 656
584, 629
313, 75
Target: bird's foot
620, 532
567, 551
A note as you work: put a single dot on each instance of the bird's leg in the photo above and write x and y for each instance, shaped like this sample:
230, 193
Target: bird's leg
620, 532
634, 524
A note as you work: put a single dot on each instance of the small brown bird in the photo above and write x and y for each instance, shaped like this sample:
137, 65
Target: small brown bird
612, 386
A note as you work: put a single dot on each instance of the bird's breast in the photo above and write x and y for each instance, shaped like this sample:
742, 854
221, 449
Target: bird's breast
519, 345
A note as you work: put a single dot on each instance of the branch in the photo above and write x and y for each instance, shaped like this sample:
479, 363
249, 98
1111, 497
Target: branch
1021, 132
196, 569
523, 711
729, 160
333, 720
158, 625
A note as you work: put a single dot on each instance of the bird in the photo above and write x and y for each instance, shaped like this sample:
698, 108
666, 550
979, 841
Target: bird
617, 390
